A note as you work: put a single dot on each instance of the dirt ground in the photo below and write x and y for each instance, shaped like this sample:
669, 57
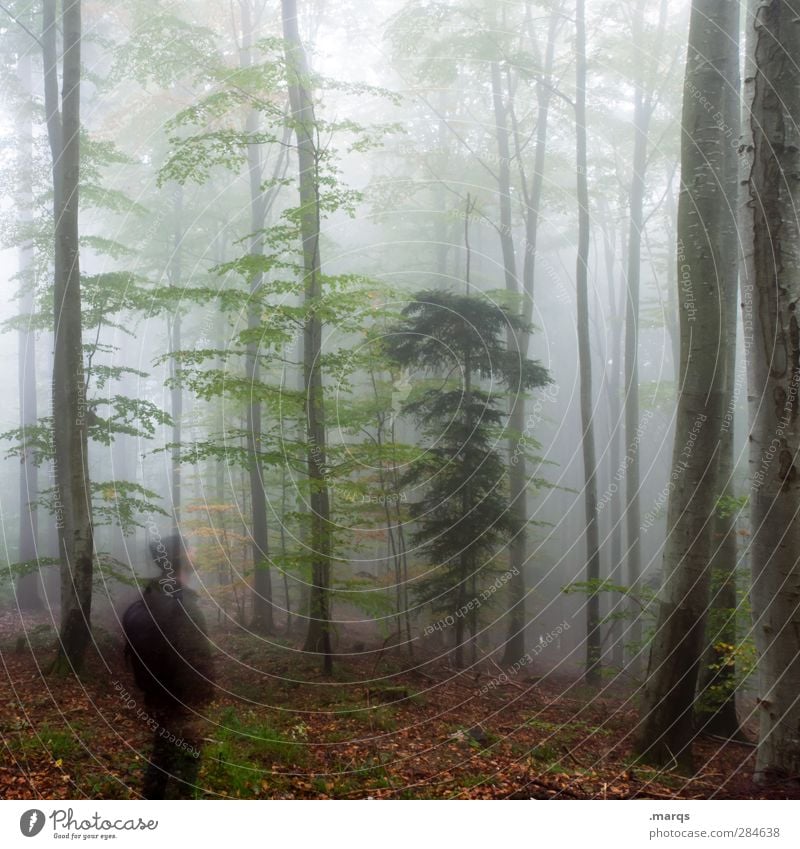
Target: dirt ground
382, 726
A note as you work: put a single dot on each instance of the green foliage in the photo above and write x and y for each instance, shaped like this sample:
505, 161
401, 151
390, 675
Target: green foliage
228, 448
33, 440
163, 48
11, 572
135, 417
441, 38
731, 505
441, 330
132, 416
364, 596
106, 247
462, 513
642, 596
104, 374
243, 752
109, 294
733, 662
122, 503
107, 568
59, 744
195, 158
738, 663
119, 503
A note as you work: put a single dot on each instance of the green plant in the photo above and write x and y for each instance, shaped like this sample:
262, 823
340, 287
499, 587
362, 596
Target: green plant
734, 662
239, 761
642, 607
463, 514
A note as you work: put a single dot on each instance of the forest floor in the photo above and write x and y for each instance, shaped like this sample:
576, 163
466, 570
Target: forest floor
280, 729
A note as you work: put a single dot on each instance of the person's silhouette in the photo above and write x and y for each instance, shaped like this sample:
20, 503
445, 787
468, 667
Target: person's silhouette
168, 647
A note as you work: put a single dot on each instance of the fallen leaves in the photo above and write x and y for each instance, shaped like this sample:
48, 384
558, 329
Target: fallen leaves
414, 734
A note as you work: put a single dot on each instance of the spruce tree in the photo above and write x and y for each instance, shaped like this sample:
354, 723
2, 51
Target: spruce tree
463, 514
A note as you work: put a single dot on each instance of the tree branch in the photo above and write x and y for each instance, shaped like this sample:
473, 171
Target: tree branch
22, 26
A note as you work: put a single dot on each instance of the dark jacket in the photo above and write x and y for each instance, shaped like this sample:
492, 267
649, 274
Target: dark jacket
168, 647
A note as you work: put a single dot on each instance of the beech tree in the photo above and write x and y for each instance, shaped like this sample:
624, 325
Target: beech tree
531, 189
644, 103
593, 644
318, 637
73, 495
259, 206
27, 585
770, 292
707, 269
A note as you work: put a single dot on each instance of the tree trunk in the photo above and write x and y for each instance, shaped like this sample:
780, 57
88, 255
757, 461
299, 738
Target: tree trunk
318, 638
515, 645
262, 577
517, 619
284, 573
176, 393
643, 109
402, 550
593, 643
614, 404
219, 469
28, 597
715, 671
707, 263
73, 495
466, 560
771, 289
672, 310
641, 121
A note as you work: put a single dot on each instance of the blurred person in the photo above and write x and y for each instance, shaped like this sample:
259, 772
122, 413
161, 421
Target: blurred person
168, 647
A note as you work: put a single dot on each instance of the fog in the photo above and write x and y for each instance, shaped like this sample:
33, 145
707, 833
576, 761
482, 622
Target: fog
442, 138
405, 232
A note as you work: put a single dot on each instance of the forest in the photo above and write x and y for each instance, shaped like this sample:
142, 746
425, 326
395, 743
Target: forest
413, 423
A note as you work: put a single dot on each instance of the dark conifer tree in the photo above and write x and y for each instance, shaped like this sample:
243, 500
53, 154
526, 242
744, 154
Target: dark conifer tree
463, 514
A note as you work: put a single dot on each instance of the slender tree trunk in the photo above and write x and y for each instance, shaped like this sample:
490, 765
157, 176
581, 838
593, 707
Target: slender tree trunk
643, 108
673, 311
717, 675
284, 552
517, 618
219, 469
175, 343
318, 638
515, 645
593, 645
123, 466
73, 495
632, 476
466, 561
716, 671
615, 450
473, 621
28, 597
394, 541
262, 576
402, 549
707, 265
771, 290
219, 341
441, 221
